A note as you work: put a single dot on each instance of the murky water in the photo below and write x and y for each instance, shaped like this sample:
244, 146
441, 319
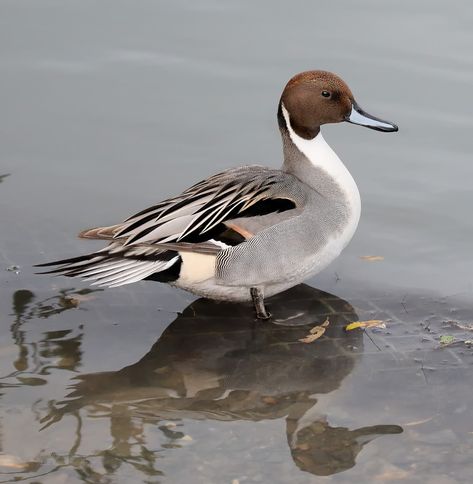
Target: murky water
110, 106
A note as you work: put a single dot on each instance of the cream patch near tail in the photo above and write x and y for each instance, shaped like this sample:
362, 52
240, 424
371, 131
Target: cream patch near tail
196, 267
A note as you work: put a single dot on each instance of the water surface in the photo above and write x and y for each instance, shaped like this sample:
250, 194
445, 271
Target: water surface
109, 107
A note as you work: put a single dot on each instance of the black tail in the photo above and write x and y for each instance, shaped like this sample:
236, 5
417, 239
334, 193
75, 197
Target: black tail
67, 262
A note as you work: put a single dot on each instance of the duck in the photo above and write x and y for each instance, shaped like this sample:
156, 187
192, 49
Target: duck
250, 232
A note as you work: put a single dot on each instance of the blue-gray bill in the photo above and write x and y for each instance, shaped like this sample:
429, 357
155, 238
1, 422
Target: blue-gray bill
358, 116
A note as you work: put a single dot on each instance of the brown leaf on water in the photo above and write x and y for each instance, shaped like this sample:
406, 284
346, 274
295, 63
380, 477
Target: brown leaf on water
12, 462
316, 332
460, 326
170, 425
372, 258
372, 323
31, 381
313, 336
74, 300
391, 473
417, 422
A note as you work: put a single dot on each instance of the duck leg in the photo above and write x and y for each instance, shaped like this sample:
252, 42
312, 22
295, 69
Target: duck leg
258, 301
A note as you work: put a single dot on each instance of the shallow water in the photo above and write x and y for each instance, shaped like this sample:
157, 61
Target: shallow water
111, 106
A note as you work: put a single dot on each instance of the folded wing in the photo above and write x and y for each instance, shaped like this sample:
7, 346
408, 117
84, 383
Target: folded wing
221, 211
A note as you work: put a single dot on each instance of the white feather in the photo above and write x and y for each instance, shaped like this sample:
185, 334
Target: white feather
136, 272
319, 153
168, 229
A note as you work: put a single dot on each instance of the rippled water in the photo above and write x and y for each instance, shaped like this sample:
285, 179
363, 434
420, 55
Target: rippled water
108, 107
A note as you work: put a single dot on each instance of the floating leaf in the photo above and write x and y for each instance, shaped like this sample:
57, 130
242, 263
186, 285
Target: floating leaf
324, 325
391, 474
12, 462
372, 323
313, 336
316, 332
417, 422
31, 381
372, 258
447, 339
74, 300
460, 326
170, 425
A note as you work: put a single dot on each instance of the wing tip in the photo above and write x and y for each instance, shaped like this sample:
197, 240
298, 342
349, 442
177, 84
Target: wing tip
102, 233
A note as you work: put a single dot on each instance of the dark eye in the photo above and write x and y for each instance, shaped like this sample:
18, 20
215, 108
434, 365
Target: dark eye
326, 94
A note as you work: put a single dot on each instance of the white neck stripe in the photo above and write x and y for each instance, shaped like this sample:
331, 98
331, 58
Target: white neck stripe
321, 156
316, 150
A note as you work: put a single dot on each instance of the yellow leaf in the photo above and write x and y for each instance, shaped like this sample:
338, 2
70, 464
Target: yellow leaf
352, 326
372, 323
372, 258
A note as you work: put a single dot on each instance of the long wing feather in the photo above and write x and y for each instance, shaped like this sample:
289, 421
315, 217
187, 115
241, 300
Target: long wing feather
205, 205
151, 241
116, 265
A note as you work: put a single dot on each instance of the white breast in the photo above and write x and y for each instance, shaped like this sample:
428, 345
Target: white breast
322, 157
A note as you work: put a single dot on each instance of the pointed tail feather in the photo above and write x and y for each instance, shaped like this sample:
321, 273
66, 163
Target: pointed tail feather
113, 267
69, 262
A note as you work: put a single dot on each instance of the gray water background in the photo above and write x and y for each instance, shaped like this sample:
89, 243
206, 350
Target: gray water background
108, 107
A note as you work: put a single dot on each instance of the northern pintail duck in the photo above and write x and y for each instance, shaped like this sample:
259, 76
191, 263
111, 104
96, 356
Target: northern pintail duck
248, 232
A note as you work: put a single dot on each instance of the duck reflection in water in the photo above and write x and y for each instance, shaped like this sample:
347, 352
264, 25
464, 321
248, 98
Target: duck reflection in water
213, 363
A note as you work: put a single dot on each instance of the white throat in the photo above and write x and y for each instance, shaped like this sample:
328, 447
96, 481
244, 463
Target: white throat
321, 156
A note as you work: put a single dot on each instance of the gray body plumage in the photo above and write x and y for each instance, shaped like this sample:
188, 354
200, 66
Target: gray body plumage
290, 246
252, 231
286, 248
279, 250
